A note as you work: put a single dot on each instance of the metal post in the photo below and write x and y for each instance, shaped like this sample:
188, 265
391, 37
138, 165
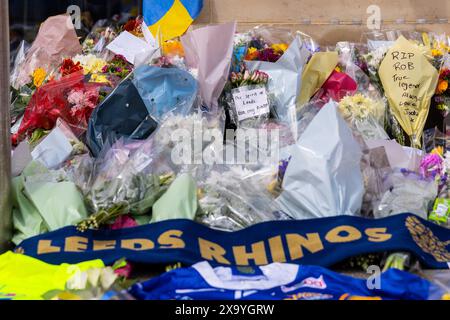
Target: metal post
5, 141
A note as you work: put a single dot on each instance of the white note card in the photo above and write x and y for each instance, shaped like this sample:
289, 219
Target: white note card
250, 103
130, 46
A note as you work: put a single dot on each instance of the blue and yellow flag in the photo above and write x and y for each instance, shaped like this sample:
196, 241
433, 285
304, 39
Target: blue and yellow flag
168, 19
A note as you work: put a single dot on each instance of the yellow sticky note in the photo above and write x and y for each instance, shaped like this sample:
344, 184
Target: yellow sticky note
317, 71
409, 81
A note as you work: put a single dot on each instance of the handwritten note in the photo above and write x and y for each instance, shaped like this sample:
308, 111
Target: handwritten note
409, 81
250, 103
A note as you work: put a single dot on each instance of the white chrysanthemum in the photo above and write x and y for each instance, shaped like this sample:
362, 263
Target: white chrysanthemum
375, 57
360, 107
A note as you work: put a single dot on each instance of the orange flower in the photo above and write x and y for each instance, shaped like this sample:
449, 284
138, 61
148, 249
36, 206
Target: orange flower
173, 48
442, 86
252, 54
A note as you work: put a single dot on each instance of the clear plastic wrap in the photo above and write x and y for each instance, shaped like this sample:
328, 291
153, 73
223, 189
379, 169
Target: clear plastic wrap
235, 197
102, 33
364, 114
124, 181
17, 62
19, 101
283, 56
375, 168
248, 101
178, 142
406, 192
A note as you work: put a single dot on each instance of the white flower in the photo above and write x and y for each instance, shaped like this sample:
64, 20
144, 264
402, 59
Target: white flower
447, 162
375, 57
78, 281
241, 38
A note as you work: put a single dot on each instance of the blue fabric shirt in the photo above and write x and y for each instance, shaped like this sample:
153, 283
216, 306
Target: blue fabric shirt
277, 282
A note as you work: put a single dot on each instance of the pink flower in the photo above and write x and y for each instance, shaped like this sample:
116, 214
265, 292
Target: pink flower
123, 222
125, 271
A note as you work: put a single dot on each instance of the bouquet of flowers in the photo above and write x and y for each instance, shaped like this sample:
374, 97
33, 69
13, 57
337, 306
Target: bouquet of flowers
406, 192
236, 197
124, 181
260, 49
68, 98
103, 32
365, 115
442, 97
20, 98
370, 63
234, 98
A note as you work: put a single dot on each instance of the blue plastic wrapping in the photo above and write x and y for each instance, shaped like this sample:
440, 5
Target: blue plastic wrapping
165, 90
121, 114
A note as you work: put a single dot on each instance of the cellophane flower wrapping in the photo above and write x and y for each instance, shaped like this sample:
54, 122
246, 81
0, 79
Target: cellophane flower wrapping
102, 33
406, 192
44, 200
69, 99
364, 114
235, 197
375, 167
378, 44
122, 114
125, 180
283, 56
56, 39
209, 50
324, 177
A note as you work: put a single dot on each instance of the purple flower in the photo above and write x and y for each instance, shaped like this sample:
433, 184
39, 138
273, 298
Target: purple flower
269, 55
282, 169
432, 165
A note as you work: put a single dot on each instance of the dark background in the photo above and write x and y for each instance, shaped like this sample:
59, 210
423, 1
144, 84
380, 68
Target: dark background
25, 16
30, 12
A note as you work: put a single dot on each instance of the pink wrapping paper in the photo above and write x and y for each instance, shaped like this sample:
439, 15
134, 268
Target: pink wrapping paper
210, 50
338, 85
56, 40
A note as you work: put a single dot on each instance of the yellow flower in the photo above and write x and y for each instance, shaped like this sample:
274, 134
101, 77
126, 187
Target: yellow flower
90, 63
338, 69
438, 150
436, 53
173, 48
39, 76
280, 47
252, 50
442, 86
99, 78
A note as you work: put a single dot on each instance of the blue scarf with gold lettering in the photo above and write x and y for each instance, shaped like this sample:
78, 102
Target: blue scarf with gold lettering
322, 242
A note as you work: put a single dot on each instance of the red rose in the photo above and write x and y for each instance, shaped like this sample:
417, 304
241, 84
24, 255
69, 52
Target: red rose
69, 67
